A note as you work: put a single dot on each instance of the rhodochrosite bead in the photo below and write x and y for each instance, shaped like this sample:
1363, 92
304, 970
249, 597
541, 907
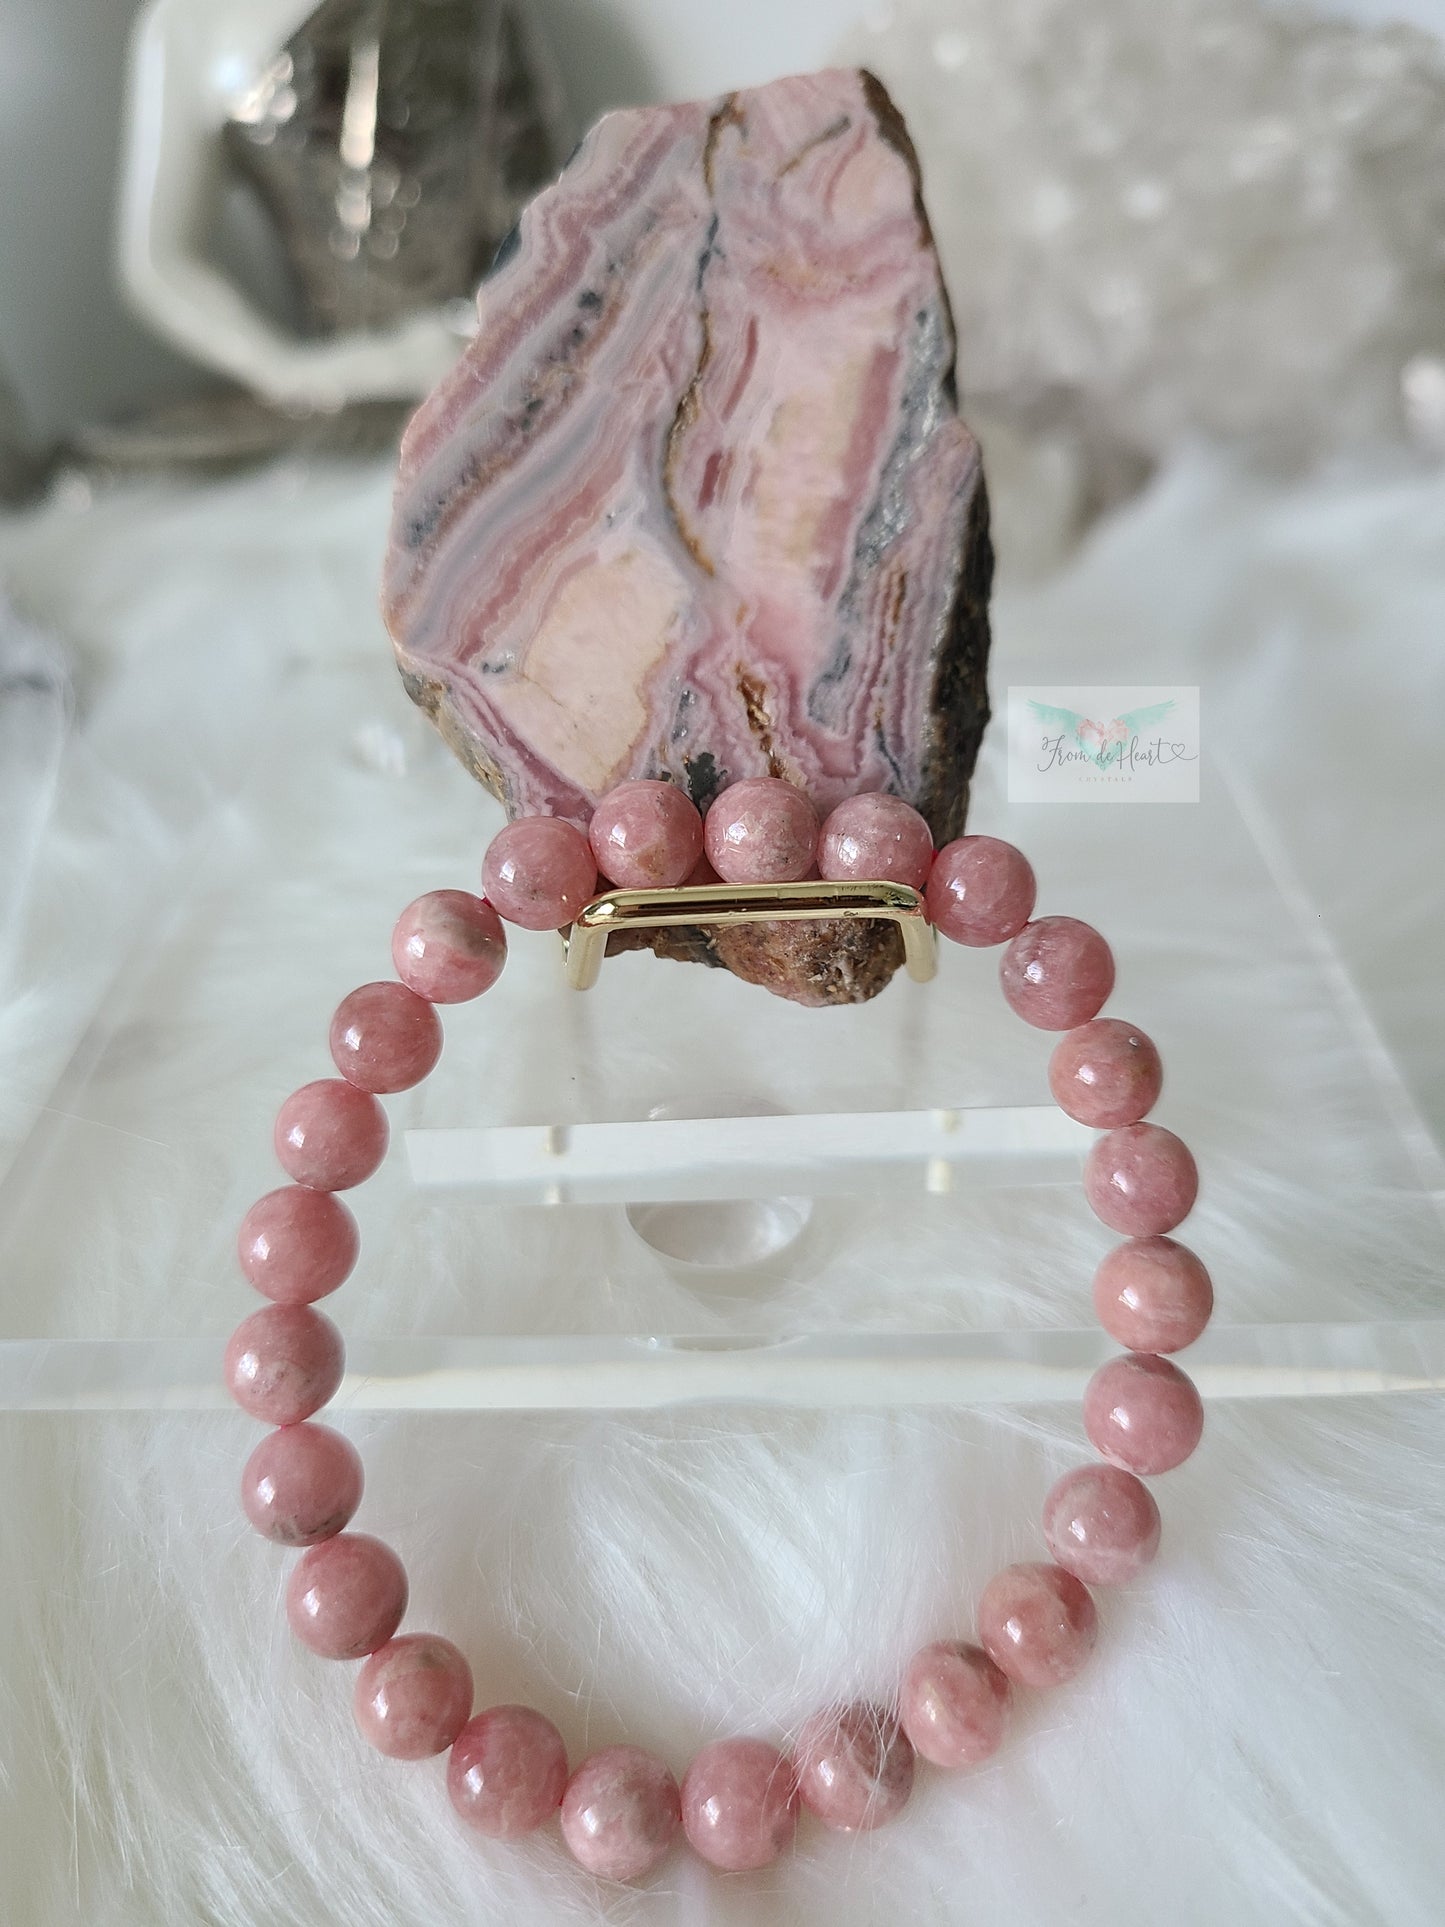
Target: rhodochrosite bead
346, 1596
1057, 973
954, 1704
980, 891
283, 1363
855, 1768
330, 1135
539, 872
620, 1813
1101, 1524
301, 1484
1037, 1623
740, 1804
646, 836
385, 1038
449, 946
875, 838
1143, 1414
1153, 1295
762, 830
413, 1696
507, 1771
1141, 1180
1106, 1073
296, 1245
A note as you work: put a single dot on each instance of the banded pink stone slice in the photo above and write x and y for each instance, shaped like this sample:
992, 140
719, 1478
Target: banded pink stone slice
696, 503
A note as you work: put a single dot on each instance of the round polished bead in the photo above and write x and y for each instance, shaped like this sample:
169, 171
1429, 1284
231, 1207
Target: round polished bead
855, 1768
507, 1771
1141, 1180
1143, 1414
413, 1696
761, 830
1057, 973
449, 946
1106, 1073
346, 1596
954, 1704
301, 1485
1153, 1295
875, 838
283, 1363
296, 1245
1037, 1623
620, 1813
646, 836
1101, 1524
385, 1038
539, 872
739, 1804
980, 891
329, 1135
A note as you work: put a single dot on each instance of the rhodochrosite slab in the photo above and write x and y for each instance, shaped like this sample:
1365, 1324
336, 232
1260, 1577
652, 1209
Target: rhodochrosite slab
696, 502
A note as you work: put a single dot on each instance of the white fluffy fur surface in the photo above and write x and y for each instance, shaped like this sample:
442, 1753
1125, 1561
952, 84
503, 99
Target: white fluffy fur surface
244, 802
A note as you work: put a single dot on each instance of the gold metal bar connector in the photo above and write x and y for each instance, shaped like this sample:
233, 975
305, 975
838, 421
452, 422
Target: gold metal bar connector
713, 905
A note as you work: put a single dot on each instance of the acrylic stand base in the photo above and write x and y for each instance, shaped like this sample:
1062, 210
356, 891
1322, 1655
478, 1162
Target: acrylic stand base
827, 1233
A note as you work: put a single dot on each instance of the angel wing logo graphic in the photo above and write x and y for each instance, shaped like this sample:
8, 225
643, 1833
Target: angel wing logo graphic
1097, 738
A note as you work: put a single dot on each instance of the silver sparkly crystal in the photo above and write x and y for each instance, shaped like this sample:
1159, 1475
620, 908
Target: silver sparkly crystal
393, 143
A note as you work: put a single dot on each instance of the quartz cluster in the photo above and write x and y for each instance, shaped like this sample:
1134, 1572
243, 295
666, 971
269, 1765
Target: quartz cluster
1216, 218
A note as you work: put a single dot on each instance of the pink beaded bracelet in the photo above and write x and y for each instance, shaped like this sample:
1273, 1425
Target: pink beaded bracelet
853, 1767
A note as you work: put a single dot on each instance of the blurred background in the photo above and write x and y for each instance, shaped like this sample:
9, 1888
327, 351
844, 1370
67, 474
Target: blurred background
74, 351
1159, 222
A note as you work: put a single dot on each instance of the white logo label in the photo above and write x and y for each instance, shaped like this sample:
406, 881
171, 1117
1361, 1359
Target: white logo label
1082, 743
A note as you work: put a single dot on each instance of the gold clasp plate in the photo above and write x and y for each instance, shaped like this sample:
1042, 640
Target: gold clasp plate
717, 904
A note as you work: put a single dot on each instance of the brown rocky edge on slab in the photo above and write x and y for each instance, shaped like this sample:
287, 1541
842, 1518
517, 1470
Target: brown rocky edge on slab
816, 964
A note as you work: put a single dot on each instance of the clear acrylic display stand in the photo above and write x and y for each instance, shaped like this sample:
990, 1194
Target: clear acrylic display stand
678, 1189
